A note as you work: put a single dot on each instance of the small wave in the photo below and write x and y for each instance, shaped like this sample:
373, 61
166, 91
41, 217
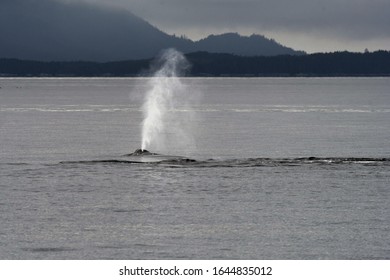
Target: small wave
13, 163
49, 249
248, 162
69, 108
52, 108
309, 110
98, 161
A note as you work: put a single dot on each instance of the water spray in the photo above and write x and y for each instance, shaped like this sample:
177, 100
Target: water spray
162, 126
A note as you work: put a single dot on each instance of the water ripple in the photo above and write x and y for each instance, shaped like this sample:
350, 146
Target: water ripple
248, 162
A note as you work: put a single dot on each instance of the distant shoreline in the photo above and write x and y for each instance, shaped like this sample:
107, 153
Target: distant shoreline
204, 64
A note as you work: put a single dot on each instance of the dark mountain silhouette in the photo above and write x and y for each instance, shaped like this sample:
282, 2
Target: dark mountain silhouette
49, 30
234, 43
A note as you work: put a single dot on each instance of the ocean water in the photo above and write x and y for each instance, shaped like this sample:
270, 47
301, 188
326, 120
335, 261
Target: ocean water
285, 168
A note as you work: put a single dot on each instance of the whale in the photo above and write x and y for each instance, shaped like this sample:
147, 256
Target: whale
140, 152
145, 156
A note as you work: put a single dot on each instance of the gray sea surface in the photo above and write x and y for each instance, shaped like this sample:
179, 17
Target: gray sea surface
284, 168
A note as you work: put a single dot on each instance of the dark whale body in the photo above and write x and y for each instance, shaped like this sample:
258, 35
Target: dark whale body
140, 152
144, 156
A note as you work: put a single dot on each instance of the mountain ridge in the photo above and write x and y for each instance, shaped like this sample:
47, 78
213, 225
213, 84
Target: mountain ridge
225, 42
47, 30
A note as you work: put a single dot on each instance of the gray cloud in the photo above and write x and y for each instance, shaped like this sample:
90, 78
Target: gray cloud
311, 25
356, 19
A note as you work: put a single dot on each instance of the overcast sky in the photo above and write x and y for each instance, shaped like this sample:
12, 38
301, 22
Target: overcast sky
309, 25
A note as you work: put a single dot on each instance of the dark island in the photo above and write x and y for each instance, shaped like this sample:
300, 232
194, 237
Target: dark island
205, 64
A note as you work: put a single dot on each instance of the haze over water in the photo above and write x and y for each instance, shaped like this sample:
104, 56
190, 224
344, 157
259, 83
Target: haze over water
66, 192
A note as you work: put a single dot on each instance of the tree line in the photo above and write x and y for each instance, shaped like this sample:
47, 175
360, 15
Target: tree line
215, 65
